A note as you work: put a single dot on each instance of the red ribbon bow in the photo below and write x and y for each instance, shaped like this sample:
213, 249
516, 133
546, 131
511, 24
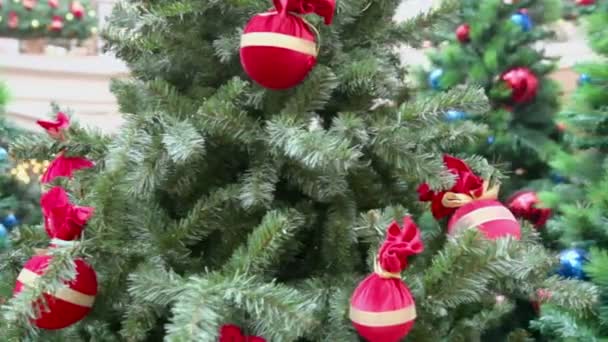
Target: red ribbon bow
232, 333
62, 219
466, 183
322, 8
62, 122
400, 243
64, 166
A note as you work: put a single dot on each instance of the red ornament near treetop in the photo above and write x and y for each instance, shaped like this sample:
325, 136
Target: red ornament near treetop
523, 84
279, 48
463, 33
470, 203
382, 308
69, 304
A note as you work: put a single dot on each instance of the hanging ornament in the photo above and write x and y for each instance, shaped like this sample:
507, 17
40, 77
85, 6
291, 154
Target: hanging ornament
585, 2
463, 33
557, 178
13, 20
62, 219
435, 79
382, 308
56, 128
455, 115
571, 263
471, 203
3, 154
77, 9
527, 205
3, 236
54, 4
35, 23
523, 84
29, 4
63, 166
561, 127
522, 20
279, 48
10, 221
56, 26
69, 304
232, 333
491, 139
584, 79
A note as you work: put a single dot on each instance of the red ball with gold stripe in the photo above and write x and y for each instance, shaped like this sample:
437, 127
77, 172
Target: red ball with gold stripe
67, 305
279, 48
382, 308
470, 203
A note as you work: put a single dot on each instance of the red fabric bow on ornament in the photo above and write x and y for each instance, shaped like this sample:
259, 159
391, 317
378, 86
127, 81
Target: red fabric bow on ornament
62, 122
382, 307
63, 166
232, 333
322, 8
62, 219
444, 203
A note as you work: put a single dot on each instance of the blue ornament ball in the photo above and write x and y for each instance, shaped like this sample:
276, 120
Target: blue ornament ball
3, 154
571, 262
10, 221
455, 115
3, 232
584, 79
491, 140
435, 79
522, 20
557, 178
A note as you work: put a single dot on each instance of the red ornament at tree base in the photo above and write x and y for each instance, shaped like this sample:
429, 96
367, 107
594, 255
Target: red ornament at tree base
463, 33
56, 24
69, 304
523, 84
279, 48
382, 308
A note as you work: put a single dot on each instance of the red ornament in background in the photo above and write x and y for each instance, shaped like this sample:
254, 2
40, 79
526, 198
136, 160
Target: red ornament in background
523, 84
471, 203
463, 33
63, 166
278, 48
232, 333
77, 9
56, 25
585, 2
62, 219
29, 4
524, 204
69, 304
13, 20
53, 3
382, 308
62, 122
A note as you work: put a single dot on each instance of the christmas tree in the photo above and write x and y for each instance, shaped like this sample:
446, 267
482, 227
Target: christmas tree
47, 18
580, 203
225, 209
493, 44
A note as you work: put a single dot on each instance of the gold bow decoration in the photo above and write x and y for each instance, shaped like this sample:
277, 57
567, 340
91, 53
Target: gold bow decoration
457, 200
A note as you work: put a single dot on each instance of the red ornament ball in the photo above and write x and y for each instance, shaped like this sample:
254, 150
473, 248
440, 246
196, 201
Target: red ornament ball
523, 84
278, 49
585, 2
525, 204
68, 305
463, 33
56, 23
77, 9
492, 219
54, 3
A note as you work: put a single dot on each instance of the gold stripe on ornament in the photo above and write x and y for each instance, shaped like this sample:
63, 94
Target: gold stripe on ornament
383, 319
30, 279
279, 40
480, 216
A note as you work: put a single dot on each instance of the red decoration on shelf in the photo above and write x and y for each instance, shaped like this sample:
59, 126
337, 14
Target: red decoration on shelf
463, 33
13, 20
471, 203
64, 166
524, 204
56, 26
69, 304
523, 84
29, 4
77, 9
585, 2
62, 122
54, 3
382, 308
232, 333
279, 48
62, 219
